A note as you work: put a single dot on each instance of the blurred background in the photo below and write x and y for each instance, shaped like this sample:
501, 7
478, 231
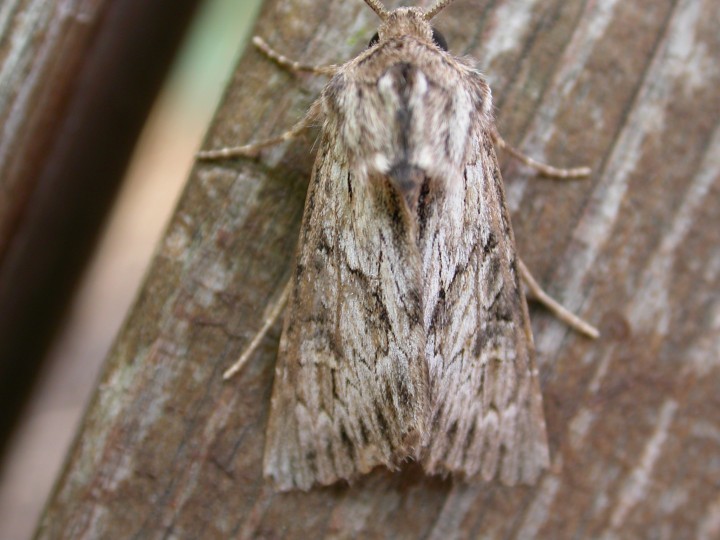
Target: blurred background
154, 179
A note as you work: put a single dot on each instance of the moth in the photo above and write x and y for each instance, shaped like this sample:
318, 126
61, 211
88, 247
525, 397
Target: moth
406, 334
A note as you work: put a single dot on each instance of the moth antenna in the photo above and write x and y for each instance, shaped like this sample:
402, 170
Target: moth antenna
378, 8
437, 8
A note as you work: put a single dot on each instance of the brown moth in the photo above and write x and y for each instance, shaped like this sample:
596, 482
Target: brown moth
406, 335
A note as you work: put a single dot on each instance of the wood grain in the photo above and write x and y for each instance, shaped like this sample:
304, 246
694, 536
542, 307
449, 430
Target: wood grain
630, 88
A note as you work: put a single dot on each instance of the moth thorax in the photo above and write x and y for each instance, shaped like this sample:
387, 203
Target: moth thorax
403, 88
405, 22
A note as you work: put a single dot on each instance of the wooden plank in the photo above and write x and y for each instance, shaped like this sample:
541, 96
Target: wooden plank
630, 88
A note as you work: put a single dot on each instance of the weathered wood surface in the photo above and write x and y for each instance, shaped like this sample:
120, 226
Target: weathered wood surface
168, 449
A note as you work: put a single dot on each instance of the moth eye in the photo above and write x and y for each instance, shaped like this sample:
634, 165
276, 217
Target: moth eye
439, 40
374, 40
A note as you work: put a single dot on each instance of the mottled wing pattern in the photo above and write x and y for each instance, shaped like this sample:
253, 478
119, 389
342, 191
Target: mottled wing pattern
407, 332
350, 389
486, 407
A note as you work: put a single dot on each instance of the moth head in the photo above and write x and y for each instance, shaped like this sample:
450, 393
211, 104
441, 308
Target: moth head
408, 21
383, 13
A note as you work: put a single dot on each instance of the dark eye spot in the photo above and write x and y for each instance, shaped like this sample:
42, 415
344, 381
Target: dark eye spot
439, 40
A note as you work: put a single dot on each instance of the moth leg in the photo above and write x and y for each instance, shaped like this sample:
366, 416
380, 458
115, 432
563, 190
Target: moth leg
542, 168
271, 315
561, 312
251, 149
288, 64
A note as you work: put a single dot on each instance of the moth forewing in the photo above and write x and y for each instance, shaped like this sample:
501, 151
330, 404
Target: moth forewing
487, 417
406, 335
350, 389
